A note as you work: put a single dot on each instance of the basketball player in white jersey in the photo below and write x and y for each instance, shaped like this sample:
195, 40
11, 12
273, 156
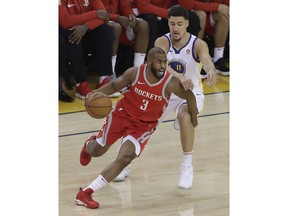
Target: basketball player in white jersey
186, 54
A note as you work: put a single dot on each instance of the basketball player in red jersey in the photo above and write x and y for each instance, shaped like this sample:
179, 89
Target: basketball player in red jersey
134, 118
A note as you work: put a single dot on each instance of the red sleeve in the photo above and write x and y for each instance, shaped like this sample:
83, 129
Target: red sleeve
114, 17
145, 7
125, 8
226, 2
197, 5
70, 18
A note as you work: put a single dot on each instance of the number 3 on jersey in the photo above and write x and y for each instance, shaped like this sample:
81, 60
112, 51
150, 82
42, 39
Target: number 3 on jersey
145, 104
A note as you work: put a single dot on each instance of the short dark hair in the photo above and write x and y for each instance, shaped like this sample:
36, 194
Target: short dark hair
151, 53
178, 11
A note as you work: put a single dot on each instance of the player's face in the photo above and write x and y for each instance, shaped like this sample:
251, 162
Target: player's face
177, 26
158, 65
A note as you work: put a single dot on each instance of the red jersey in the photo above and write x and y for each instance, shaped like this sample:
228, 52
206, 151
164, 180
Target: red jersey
156, 7
207, 6
79, 12
145, 102
118, 7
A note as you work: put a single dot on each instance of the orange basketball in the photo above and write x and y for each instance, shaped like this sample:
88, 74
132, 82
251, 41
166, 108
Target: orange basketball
98, 107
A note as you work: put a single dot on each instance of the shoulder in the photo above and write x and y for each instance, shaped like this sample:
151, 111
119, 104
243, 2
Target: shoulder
200, 43
163, 43
200, 46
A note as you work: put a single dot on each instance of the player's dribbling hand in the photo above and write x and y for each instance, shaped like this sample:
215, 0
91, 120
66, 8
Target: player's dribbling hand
94, 94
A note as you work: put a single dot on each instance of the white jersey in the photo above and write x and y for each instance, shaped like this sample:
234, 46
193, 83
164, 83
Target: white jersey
184, 61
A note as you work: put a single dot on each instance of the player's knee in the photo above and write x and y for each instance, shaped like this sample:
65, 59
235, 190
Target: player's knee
95, 149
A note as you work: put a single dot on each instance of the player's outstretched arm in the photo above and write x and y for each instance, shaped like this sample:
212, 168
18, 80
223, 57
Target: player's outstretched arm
202, 52
175, 87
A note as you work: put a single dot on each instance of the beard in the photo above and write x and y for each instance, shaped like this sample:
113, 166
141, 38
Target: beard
154, 72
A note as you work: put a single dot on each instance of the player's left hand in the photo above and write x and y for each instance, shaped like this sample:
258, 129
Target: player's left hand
185, 82
212, 77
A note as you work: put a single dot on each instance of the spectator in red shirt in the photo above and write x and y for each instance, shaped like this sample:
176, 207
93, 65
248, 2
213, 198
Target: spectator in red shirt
128, 30
82, 23
217, 26
155, 12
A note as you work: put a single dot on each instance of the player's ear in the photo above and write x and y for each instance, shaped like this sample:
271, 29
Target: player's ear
187, 23
148, 61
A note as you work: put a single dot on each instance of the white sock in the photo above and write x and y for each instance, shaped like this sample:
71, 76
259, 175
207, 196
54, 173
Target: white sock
139, 58
113, 64
187, 158
98, 183
218, 53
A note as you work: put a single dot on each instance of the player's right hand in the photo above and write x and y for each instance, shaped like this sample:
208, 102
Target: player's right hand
94, 94
185, 82
212, 77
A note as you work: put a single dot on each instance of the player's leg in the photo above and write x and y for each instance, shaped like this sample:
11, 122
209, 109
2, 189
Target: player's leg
187, 134
125, 155
172, 105
91, 148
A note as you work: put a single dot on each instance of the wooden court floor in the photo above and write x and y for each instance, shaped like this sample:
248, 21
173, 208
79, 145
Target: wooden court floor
151, 187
